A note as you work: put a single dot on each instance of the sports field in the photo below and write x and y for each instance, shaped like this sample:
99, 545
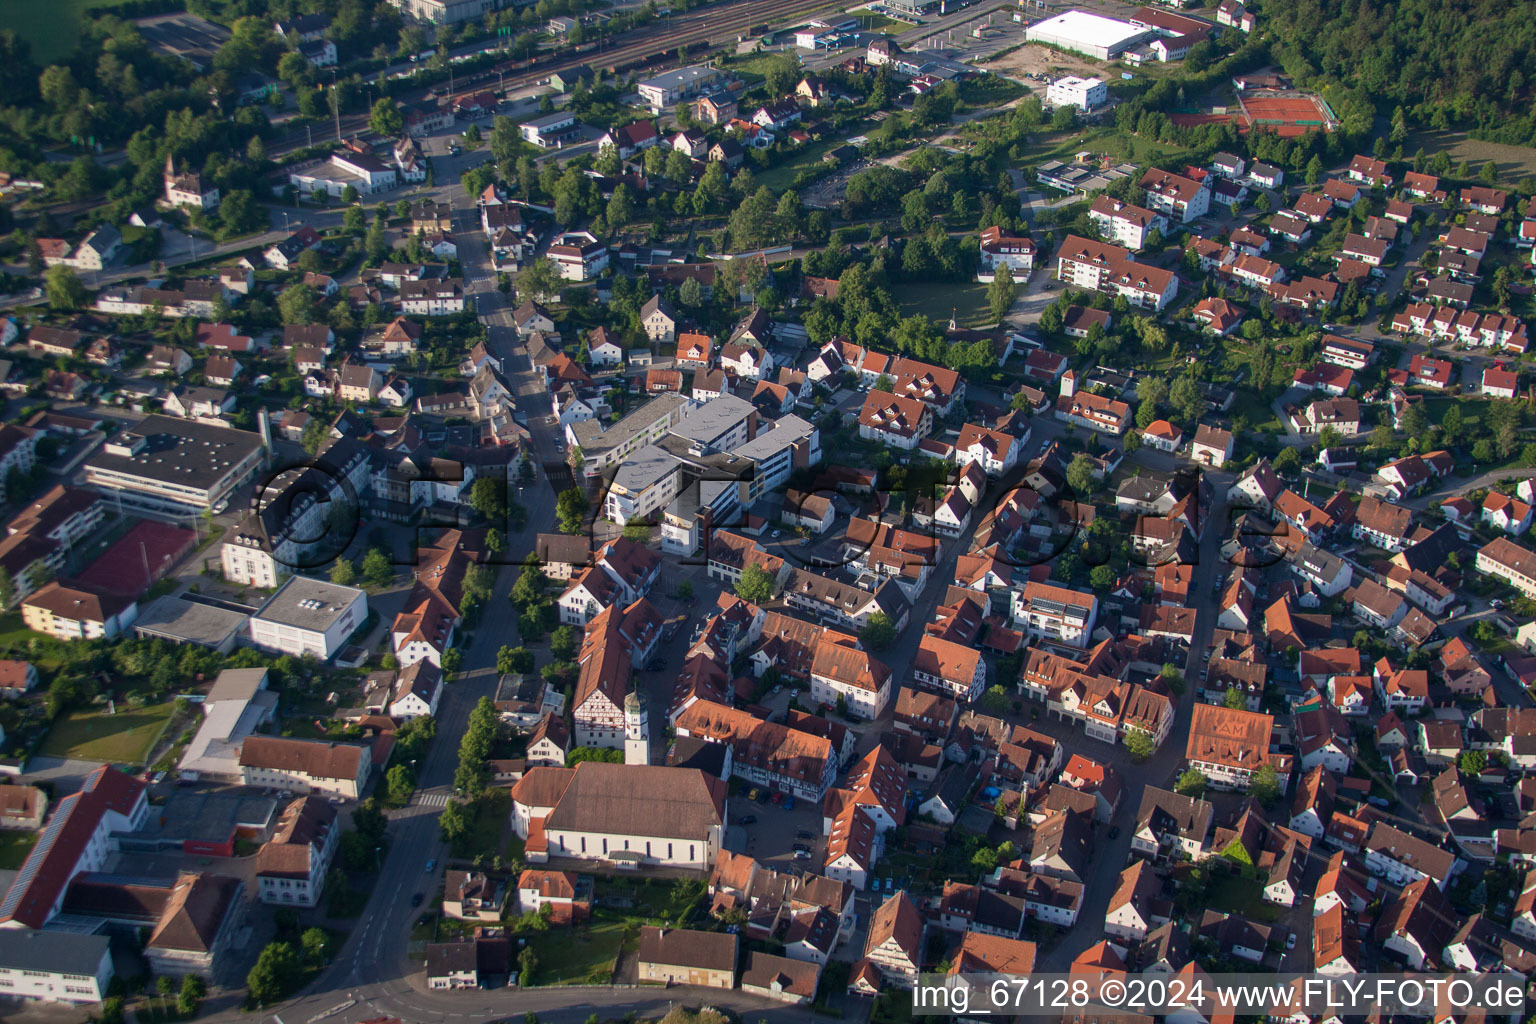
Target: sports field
90, 734
139, 557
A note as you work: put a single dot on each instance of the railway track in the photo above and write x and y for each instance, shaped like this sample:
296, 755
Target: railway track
711, 25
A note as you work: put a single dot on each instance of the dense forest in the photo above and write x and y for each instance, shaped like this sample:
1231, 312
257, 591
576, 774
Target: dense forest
1466, 64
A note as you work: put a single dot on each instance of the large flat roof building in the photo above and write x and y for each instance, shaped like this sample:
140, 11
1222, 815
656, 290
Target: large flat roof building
182, 620
238, 702
165, 464
309, 616
1090, 34
662, 91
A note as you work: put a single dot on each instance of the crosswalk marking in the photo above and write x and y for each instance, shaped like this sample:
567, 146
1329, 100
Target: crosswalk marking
431, 799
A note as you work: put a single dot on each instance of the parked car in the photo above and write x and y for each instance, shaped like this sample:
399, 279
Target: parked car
777, 799
755, 794
804, 833
802, 855
747, 819
1114, 833
431, 866
416, 900
1290, 941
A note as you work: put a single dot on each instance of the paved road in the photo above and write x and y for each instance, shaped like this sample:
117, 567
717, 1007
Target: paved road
1111, 856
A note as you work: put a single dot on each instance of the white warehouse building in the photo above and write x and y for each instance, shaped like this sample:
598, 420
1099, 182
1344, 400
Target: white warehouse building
1092, 35
309, 616
1083, 93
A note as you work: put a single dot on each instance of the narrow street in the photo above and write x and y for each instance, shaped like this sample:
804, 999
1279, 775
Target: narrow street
1112, 855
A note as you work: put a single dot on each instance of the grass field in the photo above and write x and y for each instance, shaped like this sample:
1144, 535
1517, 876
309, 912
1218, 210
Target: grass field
52, 29
1513, 162
126, 737
1107, 141
1239, 895
936, 300
578, 956
14, 847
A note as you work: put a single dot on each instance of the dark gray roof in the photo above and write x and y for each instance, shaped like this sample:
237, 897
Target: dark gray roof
59, 952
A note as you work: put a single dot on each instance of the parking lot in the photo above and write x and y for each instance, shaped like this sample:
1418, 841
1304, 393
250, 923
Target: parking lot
770, 831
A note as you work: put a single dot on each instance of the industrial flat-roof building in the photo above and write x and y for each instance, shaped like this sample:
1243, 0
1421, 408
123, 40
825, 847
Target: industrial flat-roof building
164, 464
183, 620
309, 616
664, 90
237, 704
1092, 35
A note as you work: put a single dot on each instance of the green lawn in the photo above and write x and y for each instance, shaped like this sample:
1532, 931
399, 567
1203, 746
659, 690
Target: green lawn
577, 956
938, 299
91, 735
52, 29
14, 847
490, 824
15, 636
1107, 140
1238, 895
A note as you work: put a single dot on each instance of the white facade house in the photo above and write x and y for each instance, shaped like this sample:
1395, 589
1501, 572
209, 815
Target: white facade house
364, 172
306, 766
54, 966
1072, 91
309, 616
608, 812
291, 866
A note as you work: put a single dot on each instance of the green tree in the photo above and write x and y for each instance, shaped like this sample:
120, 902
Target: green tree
400, 782
453, 823
1001, 292
528, 588
878, 632
691, 293
276, 969
1190, 783
317, 945
453, 661
1472, 762
297, 305
64, 290
1235, 699
1314, 171
1140, 744
7, 589
783, 72
192, 992
1186, 399
540, 280
385, 117
755, 585
563, 643
995, 701
1080, 474
1288, 461
571, 509
514, 659
344, 572
377, 570
1101, 577
1265, 784
488, 496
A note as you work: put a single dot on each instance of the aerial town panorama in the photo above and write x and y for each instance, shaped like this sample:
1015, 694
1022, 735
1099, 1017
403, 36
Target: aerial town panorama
727, 511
